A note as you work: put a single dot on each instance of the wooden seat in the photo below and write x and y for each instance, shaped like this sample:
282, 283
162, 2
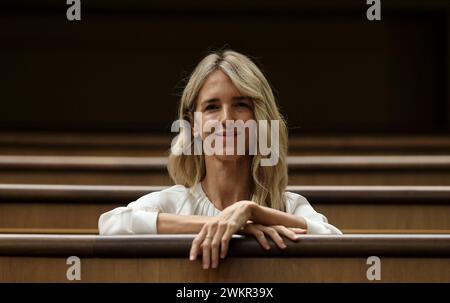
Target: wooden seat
304, 170
38, 208
157, 144
403, 258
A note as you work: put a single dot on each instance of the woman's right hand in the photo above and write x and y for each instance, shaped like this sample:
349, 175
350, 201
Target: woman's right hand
260, 232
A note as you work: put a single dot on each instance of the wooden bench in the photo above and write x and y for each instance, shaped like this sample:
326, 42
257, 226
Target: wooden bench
26, 208
157, 144
403, 258
304, 170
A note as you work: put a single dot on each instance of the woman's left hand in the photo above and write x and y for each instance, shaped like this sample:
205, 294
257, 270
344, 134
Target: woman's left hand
275, 232
214, 237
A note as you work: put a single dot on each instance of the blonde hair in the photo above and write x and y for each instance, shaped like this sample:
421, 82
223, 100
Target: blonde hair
269, 182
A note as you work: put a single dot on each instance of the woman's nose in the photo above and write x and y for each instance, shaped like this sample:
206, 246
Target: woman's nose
227, 114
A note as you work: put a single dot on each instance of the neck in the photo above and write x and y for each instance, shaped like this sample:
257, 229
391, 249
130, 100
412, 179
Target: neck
227, 182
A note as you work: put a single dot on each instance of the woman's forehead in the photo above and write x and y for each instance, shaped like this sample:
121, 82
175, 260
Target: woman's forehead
218, 84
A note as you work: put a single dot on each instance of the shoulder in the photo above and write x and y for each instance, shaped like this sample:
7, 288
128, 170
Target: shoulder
171, 193
169, 199
294, 201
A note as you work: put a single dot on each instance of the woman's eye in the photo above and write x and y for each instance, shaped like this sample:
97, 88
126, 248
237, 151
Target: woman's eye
211, 107
243, 104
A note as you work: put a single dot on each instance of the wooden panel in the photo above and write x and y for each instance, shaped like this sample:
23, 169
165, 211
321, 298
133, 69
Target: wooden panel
92, 143
77, 177
370, 178
391, 216
94, 231
346, 216
236, 270
61, 215
355, 208
312, 259
157, 144
304, 170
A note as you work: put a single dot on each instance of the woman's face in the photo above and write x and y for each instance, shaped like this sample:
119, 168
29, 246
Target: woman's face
220, 100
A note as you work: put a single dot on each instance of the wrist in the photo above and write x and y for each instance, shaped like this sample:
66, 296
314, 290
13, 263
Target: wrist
196, 223
252, 208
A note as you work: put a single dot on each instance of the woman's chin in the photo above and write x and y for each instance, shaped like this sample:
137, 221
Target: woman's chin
229, 157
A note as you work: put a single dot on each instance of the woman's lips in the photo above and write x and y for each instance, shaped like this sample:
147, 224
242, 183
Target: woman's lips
227, 134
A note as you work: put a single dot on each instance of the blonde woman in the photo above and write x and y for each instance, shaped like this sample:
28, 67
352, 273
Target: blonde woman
218, 195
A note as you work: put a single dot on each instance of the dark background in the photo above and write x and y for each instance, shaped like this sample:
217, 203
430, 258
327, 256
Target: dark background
121, 68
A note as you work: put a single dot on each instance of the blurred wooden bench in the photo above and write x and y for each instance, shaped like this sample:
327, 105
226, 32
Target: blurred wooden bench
304, 170
403, 258
74, 143
28, 208
157, 144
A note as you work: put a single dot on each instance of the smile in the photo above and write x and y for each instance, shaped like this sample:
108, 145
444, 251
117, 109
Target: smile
229, 134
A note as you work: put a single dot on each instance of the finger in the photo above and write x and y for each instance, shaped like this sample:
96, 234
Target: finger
298, 230
198, 240
288, 233
215, 245
273, 234
225, 242
259, 235
206, 245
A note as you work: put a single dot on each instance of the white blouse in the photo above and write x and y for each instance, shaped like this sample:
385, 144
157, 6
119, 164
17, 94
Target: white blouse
140, 216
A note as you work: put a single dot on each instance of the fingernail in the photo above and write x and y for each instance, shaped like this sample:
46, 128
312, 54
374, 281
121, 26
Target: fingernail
191, 257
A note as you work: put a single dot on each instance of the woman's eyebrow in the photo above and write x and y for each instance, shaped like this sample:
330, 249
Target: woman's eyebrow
211, 100
241, 98
236, 98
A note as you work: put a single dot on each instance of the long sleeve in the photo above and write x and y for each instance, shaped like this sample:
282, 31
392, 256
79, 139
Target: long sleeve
316, 222
138, 217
